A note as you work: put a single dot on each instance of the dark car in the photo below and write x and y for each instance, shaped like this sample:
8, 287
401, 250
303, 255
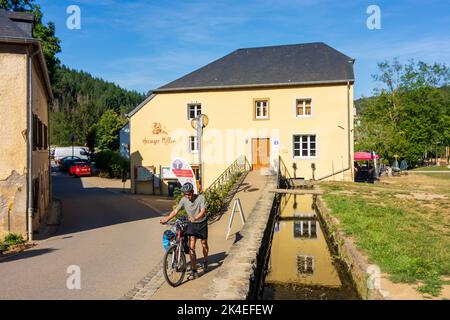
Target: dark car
65, 163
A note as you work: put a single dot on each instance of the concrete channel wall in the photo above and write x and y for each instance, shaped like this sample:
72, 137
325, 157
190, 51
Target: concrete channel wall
241, 273
357, 264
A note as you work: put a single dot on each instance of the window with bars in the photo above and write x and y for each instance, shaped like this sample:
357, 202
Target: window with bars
305, 146
194, 110
193, 144
261, 109
304, 107
305, 265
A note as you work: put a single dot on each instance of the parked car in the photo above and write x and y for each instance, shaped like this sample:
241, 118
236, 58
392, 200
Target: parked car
80, 168
65, 163
59, 153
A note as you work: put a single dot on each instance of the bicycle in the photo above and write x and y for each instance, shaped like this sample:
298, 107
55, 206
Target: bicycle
174, 261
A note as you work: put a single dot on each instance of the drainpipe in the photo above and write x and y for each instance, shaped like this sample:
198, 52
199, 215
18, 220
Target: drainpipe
349, 130
30, 208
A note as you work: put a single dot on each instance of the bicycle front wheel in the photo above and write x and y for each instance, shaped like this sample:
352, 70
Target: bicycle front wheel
174, 266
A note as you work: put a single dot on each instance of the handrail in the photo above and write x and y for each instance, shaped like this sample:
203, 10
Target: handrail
237, 166
283, 176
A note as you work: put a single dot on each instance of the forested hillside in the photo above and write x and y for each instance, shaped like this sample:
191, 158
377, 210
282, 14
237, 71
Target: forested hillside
80, 101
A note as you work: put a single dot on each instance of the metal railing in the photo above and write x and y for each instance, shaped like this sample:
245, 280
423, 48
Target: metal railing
239, 166
284, 178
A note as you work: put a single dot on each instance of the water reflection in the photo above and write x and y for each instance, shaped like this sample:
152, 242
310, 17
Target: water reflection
301, 265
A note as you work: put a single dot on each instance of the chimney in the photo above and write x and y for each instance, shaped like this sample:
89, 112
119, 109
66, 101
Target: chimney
25, 21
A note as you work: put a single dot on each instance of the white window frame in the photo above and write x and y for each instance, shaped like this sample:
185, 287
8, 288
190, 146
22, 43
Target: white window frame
304, 107
197, 110
309, 146
257, 101
190, 142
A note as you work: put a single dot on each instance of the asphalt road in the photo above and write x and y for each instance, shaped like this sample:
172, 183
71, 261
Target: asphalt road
113, 239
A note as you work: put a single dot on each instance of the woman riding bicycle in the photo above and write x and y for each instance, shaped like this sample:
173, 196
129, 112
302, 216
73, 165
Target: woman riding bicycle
195, 207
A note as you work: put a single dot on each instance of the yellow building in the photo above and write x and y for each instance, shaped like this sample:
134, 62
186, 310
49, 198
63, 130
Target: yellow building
25, 93
292, 102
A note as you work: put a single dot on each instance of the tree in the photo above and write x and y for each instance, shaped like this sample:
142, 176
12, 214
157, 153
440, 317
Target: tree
108, 129
46, 33
409, 113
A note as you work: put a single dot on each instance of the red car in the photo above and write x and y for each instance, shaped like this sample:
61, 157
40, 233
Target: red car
80, 168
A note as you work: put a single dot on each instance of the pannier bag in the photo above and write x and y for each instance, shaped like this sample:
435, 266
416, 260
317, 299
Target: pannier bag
168, 236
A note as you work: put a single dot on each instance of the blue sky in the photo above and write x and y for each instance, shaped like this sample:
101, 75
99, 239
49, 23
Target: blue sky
142, 45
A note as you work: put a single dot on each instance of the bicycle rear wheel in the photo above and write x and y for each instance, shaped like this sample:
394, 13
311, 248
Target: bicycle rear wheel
174, 266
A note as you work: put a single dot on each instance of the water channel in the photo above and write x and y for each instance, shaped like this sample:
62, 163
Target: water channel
302, 263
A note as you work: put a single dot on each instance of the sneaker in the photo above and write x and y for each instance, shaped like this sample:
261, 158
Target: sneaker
193, 275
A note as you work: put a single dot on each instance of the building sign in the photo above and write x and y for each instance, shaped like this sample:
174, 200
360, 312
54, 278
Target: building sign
160, 136
144, 173
184, 173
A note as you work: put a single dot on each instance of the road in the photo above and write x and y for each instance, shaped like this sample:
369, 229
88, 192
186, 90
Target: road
114, 239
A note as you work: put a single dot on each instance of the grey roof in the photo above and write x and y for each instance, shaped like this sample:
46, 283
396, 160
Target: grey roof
16, 28
11, 29
269, 66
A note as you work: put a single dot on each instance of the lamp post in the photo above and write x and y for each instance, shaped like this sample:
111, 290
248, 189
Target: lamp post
199, 124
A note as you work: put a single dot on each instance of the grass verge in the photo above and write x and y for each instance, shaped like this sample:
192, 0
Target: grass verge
404, 229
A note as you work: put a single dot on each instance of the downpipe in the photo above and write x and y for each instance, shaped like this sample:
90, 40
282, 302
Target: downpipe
30, 208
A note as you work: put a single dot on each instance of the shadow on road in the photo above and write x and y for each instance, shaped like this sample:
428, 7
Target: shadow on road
86, 208
26, 254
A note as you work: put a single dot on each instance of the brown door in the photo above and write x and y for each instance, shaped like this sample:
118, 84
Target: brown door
260, 153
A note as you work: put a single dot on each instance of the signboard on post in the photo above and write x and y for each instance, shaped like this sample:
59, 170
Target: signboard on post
184, 173
144, 173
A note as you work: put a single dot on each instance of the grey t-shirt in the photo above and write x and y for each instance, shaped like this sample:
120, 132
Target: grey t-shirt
193, 207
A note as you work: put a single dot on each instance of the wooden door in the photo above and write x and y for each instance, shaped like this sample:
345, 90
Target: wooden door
260, 153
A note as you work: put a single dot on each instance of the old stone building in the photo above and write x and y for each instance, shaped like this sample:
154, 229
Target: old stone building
25, 94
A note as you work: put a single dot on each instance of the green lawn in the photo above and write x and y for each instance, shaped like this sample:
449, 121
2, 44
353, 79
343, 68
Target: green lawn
402, 226
433, 168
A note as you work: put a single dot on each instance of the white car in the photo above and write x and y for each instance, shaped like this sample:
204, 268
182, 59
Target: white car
62, 152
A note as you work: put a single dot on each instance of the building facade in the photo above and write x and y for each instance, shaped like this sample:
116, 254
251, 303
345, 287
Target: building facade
25, 94
289, 103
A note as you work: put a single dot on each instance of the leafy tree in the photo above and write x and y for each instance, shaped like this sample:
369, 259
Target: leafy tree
108, 129
409, 113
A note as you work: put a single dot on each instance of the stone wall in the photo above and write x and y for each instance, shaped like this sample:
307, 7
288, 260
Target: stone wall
13, 201
239, 277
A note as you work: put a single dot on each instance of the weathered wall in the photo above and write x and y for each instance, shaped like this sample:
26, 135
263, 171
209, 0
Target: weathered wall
13, 140
13, 156
232, 127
